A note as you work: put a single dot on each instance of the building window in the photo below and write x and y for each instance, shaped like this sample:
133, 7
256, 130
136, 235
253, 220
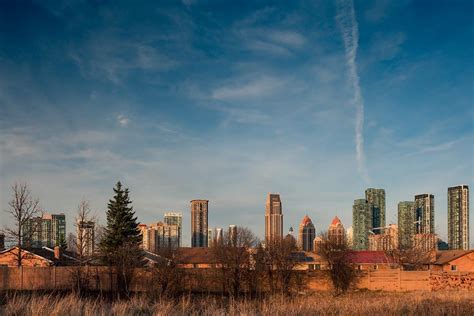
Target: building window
454, 268
376, 267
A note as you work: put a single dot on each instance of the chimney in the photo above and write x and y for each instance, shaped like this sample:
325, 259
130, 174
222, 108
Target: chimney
57, 253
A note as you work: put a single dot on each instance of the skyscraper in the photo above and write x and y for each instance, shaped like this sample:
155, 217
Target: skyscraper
233, 234
306, 234
406, 224
199, 220
336, 232
376, 198
175, 218
424, 214
211, 237
48, 230
362, 223
273, 218
85, 238
158, 236
458, 217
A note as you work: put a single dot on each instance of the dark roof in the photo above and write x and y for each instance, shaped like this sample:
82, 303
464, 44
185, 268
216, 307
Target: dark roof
371, 257
66, 258
445, 256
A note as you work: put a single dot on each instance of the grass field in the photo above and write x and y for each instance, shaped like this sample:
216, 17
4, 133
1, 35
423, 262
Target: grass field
356, 303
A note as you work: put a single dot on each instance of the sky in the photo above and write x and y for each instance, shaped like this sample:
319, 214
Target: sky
231, 100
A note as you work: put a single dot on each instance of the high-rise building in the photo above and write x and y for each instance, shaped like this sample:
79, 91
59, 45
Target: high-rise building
386, 241
406, 223
175, 218
219, 235
361, 223
85, 239
273, 218
306, 234
48, 230
199, 221
458, 217
376, 198
233, 234
425, 242
336, 232
350, 237
424, 214
211, 236
158, 236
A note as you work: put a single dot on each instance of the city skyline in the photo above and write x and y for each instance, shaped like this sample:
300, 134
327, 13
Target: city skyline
230, 102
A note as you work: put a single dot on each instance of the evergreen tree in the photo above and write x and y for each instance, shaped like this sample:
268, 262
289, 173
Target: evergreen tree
62, 242
122, 227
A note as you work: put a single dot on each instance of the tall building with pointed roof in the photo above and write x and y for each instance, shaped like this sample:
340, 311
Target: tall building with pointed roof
273, 218
336, 231
306, 234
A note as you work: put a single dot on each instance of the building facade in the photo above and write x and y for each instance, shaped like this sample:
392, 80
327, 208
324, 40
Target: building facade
175, 218
233, 234
361, 224
376, 199
158, 236
85, 239
306, 234
48, 230
458, 217
273, 218
386, 241
336, 232
425, 242
199, 223
406, 224
424, 214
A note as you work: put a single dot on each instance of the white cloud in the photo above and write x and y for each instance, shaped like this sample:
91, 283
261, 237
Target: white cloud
260, 87
350, 35
122, 120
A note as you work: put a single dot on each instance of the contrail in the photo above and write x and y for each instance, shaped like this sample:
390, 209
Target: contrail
350, 35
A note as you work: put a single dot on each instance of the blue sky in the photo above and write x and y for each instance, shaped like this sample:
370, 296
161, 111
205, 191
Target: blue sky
227, 101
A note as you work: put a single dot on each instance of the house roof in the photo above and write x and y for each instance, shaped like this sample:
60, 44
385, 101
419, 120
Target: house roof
371, 257
196, 255
445, 256
66, 258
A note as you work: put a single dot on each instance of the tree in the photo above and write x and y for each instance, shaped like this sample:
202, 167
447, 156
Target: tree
22, 208
233, 254
337, 254
120, 245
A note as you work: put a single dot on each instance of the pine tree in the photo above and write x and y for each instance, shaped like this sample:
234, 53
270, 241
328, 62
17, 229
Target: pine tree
122, 232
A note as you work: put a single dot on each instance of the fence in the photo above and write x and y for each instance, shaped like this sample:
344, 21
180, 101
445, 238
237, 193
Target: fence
104, 279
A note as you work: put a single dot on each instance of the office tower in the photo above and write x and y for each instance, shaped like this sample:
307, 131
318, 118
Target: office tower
48, 230
219, 235
85, 239
306, 234
336, 232
424, 214
273, 218
158, 236
211, 235
233, 235
406, 224
362, 223
175, 218
199, 220
386, 241
350, 237
458, 217
425, 242
376, 198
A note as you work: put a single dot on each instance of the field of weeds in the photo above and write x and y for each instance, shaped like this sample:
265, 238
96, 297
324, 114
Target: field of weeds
356, 303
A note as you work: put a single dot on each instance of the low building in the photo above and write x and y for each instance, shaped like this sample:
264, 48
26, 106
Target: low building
37, 257
453, 260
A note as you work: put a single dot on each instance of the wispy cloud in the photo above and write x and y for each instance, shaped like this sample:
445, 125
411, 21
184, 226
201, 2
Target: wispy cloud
122, 120
260, 87
350, 35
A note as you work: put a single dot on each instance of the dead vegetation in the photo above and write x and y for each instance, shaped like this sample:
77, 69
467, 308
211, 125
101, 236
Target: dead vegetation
353, 303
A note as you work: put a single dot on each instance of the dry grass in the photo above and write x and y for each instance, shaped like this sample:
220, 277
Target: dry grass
356, 303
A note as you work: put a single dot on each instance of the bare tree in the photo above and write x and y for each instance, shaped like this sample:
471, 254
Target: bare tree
280, 264
166, 275
233, 254
409, 258
337, 254
22, 208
